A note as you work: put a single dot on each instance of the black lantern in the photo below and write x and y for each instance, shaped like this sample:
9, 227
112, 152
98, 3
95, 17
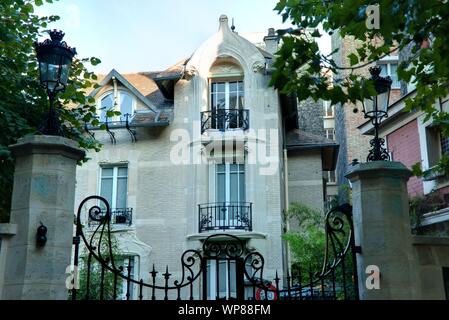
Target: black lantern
55, 58
41, 235
375, 108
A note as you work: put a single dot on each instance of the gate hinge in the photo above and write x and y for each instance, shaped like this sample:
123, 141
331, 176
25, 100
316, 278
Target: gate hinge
358, 249
76, 240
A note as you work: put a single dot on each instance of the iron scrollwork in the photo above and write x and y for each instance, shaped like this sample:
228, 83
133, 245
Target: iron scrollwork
98, 246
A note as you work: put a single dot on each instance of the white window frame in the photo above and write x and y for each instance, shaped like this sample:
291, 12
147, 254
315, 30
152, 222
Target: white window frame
115, 177
211, 267
388, 63
213, 181
134, 275
327, 104
329, 177
227, 82
326, 130
117, 107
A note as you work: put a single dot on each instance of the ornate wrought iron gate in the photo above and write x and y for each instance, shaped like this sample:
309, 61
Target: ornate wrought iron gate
224, 268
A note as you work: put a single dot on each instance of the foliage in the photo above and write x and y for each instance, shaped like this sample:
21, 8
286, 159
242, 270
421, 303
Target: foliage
24, 102
308, 242
108, 253
307, 238
417, 27
420, 205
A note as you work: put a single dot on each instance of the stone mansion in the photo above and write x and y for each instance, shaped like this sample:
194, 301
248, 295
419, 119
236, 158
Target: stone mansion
206, 146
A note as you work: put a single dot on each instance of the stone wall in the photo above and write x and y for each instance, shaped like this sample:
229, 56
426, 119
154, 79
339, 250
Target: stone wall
305, 179
431, 255
310, 116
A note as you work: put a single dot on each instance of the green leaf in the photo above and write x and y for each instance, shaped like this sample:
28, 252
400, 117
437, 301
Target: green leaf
353, 59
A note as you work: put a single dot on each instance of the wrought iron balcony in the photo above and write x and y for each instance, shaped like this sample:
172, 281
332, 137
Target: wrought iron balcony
225, 216
119, 216
225, 119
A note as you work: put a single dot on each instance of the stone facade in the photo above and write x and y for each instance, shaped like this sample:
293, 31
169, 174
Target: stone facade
310, 116
165, 193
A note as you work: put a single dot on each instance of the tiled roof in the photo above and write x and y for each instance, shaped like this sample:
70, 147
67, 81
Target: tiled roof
298, 138
144, 83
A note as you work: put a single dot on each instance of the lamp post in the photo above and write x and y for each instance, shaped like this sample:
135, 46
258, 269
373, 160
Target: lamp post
55, 58
375, 108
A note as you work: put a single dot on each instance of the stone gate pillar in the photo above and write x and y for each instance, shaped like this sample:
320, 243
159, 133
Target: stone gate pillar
44, 192
382, 229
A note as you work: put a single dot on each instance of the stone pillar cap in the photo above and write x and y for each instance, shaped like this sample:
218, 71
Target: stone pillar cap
41, 144
375, 169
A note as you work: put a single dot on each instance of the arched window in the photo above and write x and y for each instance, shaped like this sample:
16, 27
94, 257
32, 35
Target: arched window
227, 95
124, 103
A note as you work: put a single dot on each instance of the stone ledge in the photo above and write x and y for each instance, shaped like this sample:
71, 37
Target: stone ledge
239, 234
8, 229
434, 217
376, 169
430, 241
34, 144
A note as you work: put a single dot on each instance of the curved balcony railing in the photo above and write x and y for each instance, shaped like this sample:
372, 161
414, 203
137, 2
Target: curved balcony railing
119, 216
225, 119
225, 216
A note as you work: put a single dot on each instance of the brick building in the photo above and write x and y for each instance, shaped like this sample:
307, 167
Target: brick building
353, 144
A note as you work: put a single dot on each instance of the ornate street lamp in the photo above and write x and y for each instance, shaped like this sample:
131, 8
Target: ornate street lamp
55, 58
375, 108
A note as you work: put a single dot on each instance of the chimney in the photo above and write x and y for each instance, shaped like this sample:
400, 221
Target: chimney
271, 41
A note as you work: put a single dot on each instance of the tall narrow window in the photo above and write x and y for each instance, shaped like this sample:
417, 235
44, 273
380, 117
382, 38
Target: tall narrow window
328, 109
330, 133
230, 183
221, 279
227, 100
114, 186
129, 264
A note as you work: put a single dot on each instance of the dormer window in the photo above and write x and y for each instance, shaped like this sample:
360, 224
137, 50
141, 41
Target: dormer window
122, 102
226, 98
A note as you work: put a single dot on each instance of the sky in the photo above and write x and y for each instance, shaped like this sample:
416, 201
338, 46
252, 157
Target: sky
151, 35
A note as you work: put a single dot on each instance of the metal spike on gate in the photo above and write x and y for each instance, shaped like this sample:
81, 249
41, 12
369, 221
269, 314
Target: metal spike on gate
166, 276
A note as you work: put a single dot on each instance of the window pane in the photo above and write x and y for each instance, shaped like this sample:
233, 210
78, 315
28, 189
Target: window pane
126, 105
234, 187
233, 86
233, 280
106, 189
122, 172
221, 187
394, 75
233, 100
222, 279
241, 87
384, 70
221, 87
221, 101
106, 105
221, 168
242, 193
121, 192
107, 172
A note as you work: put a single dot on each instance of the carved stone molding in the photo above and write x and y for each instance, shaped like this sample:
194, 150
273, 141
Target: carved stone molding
190, 72
258, 66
